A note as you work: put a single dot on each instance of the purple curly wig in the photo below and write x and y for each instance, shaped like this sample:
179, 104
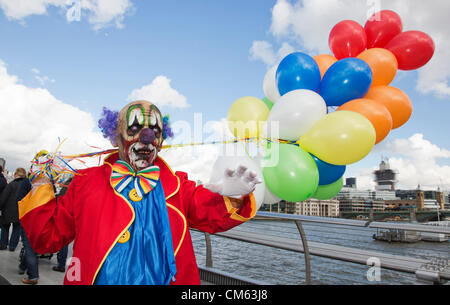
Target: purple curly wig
108, 124
167, 131
109, 120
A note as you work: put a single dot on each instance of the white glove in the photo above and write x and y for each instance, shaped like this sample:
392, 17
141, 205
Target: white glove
235, 183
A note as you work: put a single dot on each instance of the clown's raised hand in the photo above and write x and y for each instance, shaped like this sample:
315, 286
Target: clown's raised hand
235, 183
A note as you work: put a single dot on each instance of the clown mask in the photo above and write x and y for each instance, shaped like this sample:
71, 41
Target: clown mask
139, 134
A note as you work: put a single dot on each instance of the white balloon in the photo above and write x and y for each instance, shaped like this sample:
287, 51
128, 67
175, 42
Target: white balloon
232, 162
270, 86
295, 113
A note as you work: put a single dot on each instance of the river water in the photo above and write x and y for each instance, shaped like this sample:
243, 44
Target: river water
281, 267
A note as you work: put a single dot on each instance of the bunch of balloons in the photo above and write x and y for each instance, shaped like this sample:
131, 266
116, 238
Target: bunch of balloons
313, 144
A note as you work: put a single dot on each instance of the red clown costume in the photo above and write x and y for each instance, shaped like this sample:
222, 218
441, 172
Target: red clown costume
96, 217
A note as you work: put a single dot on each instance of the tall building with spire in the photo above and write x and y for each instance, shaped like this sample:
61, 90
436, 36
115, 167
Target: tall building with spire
385, 177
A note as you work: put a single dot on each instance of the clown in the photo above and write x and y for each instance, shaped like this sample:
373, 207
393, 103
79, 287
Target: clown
130, 217
140, 134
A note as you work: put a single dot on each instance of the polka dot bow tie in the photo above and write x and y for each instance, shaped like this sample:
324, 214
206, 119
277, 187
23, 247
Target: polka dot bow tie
144, 180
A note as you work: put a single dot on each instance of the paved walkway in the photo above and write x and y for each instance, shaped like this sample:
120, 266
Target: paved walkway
9, 267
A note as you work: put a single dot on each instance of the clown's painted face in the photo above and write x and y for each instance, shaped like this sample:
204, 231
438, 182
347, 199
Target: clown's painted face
139, 134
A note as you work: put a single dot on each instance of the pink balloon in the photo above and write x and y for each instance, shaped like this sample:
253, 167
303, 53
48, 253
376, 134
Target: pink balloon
381, 27
347, 39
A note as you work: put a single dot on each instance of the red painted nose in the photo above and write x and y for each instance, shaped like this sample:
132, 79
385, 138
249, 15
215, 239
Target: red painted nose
147, 136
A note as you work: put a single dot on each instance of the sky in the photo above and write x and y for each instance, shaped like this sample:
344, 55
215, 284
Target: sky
62, 61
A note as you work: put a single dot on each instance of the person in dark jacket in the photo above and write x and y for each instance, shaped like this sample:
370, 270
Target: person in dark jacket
3, 181
10, 212
29, 261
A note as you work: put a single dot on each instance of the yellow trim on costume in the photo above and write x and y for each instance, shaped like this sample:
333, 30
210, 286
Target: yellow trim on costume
233, 210
174, 208
109, 155
230, 208
184, 226
176, 191
178, 179
158, 157
31, 201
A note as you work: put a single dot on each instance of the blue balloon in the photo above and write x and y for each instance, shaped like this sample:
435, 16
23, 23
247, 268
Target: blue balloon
346, 80
298, 71
328, 173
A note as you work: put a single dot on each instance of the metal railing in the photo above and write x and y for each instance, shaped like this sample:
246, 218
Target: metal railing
431, 270
217, 277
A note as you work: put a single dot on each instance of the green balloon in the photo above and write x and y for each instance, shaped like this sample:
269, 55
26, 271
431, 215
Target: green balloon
290, 172
328, 191
268, 103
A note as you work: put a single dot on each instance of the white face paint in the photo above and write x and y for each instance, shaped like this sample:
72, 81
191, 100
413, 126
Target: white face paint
135, 116
141, 156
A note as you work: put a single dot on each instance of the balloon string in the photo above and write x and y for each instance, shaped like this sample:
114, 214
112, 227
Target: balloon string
231, 141
241, 140
245, 148
209, 143
53, 171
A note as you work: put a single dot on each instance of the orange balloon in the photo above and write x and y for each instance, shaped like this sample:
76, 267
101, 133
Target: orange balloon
375, 112
395, 100
383, 63
324, 61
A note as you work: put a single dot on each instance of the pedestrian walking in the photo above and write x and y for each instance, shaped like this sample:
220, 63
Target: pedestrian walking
10, 212
3, 181
29, 261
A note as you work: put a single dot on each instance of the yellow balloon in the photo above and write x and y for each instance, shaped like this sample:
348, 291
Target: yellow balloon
340, 138
247, 116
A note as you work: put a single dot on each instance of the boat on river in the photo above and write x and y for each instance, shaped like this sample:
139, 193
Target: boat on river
397, 235
436, 237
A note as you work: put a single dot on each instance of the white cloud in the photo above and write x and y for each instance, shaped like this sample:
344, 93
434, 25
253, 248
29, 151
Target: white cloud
42, 79
364, 179
198, 160
418, 148
263, 50
309, 23
281, 17
100, 13
417, 162
19, 9
32, 119
160, 92
107, 12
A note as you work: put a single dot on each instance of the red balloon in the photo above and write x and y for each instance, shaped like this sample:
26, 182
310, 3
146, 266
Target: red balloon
382, 27
413, 49
347, 39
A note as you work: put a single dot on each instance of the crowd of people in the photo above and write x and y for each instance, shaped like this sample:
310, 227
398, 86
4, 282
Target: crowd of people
11, 230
